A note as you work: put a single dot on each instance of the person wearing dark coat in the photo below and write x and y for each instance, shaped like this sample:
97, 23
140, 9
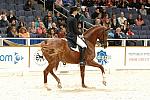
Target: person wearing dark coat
74, 36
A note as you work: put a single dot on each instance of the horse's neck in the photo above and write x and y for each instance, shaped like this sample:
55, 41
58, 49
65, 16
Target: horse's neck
91, 37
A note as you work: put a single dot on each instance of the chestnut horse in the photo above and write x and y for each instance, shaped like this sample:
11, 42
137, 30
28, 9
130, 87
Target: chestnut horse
57, 49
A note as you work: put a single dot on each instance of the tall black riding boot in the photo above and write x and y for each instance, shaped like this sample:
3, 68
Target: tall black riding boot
82, 52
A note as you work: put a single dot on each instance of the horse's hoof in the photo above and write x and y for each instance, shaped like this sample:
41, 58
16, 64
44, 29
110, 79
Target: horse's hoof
59, 86
104, 82
46, 86
84, 86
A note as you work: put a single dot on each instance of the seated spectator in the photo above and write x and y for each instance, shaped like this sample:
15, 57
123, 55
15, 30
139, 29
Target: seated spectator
3, 23
134, 4
57, 17
130, 19
114, 21
129, 32
96, 13
48, 22
13, 32
125, 26
121, 19
50, 33
106, 21
98, 22
23, 33
28, 6
80, 27
21, 24
109, 3
4, 15
41, 30
139, 20
32, 29
62, 31
37, 21
122, 4
11, 16
143, 10
54, 26
118, 35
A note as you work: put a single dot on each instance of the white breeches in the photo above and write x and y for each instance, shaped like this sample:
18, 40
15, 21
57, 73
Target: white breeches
81, 43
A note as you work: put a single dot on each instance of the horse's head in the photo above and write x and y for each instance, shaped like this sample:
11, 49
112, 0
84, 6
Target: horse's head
102, 36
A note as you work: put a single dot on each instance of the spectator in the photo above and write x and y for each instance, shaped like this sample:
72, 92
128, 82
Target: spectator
41, 30
96, 13
49, 4
98, 22
50, 33
80, 27
130, 19
143, 10
62, 31
21, 24
11, 16
14, 23
37, 21
134, 4
121, 19
139, 20
109, 3
29, 6
129, 32
3, 14
48, 22
85, 12
54, 26
123, 4
32, 29
118, 35
114, 22
13, 32
125, 26
3, 23
23, 33
106, 21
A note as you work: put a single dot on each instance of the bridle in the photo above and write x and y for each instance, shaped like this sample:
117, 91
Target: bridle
102, 41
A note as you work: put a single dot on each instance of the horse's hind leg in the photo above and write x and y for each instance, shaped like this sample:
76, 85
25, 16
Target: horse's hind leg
57, 79
45, 72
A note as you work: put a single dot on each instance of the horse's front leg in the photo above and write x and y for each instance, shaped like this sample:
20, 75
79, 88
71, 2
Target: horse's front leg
95, 64
82, 72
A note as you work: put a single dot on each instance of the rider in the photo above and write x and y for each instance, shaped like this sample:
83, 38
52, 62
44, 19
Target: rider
74, 36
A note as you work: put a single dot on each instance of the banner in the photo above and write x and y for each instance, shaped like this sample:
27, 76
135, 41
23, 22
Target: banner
111, 57
37, 60
14, 57
138, 57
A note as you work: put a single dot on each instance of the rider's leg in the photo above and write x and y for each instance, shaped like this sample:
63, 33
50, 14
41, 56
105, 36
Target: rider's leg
82, 49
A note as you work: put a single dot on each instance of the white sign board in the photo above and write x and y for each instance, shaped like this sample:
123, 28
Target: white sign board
111, 57
138, 57
37, 60
14, 57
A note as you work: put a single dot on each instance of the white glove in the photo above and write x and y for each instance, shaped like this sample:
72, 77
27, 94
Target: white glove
81, 36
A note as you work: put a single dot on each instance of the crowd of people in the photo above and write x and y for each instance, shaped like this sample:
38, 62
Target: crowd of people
54, 24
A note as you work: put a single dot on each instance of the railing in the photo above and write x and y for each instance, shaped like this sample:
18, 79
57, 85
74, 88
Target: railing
33, 41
